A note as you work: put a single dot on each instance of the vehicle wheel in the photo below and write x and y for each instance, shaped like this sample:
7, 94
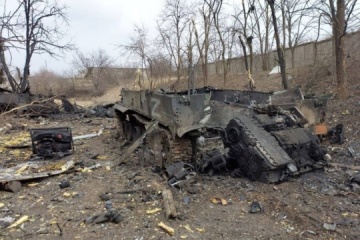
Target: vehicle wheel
122, 129
136, 132
128, 131
233, 134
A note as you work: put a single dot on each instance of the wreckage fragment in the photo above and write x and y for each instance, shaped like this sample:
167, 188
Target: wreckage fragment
255, 151
271, 154
112, 215
255, 207
336, 134
51, 142
34, 170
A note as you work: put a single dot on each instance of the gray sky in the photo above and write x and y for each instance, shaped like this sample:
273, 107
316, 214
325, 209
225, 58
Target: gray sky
99, 24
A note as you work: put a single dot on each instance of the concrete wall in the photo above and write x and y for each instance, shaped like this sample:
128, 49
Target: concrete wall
304, 56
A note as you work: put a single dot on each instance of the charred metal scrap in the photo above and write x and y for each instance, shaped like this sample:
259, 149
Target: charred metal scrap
100, 111
263, 134
336, 134
52, 142
268, 149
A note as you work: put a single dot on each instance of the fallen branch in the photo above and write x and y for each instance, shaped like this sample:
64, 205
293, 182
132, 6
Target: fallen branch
27, 105
37, 101
60, 229
170, 210
131, 191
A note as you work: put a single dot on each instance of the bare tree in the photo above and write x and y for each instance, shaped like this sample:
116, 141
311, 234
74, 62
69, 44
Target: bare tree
97, 58
48, 83
342, 17
216, 14
255, 24
278, 45
339, 30
172, 31
161, 67
139, 47
263, 31
246, 29
299, 20
94, 65
190, 58
318, 30
203, 41
37, 30
8, 38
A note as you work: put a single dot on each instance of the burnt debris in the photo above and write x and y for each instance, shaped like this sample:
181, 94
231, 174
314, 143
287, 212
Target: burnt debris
271, 149
52, 142
265, 135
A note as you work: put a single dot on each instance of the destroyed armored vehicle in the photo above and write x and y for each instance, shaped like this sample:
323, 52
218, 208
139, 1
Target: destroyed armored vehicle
262, 135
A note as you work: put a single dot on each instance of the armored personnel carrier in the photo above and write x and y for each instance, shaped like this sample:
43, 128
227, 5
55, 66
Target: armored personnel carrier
262, 134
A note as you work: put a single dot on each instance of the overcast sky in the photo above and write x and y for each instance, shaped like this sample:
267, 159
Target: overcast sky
98, 24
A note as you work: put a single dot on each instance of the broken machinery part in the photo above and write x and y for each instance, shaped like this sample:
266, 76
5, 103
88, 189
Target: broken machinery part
52, 142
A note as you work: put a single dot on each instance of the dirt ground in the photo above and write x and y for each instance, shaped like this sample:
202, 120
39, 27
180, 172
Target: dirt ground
301, 208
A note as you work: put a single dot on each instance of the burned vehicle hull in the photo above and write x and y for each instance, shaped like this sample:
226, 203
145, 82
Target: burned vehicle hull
270, 155
246, 125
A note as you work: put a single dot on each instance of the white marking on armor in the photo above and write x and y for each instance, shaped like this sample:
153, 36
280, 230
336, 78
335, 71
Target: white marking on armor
156, 103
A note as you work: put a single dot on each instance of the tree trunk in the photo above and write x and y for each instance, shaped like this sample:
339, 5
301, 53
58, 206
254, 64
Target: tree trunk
339, 32
245, 54
5, 67
267, 40
340, 69
224, 67
278, 45
292, 49
24, 86
283, 25
315, 52
205, 72
251, 58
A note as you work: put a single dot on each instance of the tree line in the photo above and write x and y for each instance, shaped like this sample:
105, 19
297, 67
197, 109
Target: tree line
200, 32
191, 33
